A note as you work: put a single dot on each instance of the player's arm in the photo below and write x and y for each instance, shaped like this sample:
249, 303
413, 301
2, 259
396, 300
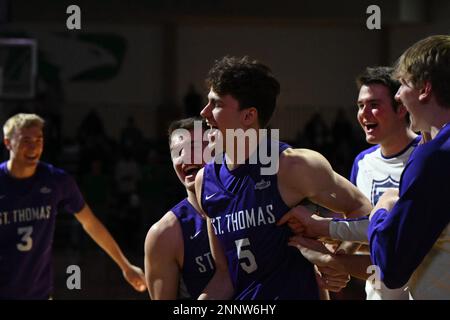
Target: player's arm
318, 254
163, 251
401, 237
220, 285
302, 220
98, 232
307, 174
311, 225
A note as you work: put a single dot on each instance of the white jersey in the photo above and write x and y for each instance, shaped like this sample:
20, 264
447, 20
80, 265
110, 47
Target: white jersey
373, 173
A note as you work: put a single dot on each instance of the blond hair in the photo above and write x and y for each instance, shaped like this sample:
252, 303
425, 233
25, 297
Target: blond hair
20, 121
428, 60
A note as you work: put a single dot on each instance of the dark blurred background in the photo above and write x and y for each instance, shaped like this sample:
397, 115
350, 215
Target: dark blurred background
109, 90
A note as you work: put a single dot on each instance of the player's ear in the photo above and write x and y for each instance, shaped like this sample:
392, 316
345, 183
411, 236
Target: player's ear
7, 143
250, 116
425, 91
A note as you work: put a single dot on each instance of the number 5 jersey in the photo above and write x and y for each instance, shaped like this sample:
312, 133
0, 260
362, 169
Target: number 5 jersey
245, 206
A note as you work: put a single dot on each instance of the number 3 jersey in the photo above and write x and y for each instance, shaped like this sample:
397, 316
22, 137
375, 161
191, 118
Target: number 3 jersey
28, 210
245, 206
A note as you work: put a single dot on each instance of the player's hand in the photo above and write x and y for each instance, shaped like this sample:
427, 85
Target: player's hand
135, 277
314, 251
303, 221
328, 277
296, 226
331, 279
386, 201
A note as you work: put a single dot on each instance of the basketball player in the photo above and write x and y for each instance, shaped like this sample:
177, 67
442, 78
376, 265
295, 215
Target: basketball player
243, 205
31, 192
385, 123
409, 229
178, 261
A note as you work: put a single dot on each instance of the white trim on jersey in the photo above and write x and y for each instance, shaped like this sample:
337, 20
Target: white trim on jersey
373, 173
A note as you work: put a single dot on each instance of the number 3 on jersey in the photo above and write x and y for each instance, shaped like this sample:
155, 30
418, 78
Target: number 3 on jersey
27, 242
250, 265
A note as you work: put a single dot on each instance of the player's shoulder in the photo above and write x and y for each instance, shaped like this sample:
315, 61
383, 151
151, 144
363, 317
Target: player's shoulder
57, 176
50, 170
431, 157
3, 169
367, 152
166, 226
300, 159
165, 233
304, 165
297, 155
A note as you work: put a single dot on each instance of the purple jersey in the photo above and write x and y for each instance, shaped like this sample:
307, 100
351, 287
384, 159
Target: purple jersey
410, 243
28, 210
245, 206
198, 264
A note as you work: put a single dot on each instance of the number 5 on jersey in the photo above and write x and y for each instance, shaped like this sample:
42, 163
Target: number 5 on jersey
250, 265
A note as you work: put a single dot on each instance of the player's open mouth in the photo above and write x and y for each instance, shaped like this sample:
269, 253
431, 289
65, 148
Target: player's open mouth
190, 171
212, 133
31, 158
370, 126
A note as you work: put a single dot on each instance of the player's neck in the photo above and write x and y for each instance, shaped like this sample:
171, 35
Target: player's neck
18, 171
192, 199
397, 143
241, 152
439, 121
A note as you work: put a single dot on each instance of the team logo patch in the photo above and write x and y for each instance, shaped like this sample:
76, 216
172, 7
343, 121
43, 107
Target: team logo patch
263, 184
45, 190
380, 186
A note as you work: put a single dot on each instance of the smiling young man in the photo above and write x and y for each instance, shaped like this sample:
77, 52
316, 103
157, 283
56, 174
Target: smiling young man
385, 124
243, 205
409, 230
31, 193
178, 261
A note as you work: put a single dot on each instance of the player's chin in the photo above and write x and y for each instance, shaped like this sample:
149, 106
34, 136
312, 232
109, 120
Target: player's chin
189, 181
190, 185
372, 139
